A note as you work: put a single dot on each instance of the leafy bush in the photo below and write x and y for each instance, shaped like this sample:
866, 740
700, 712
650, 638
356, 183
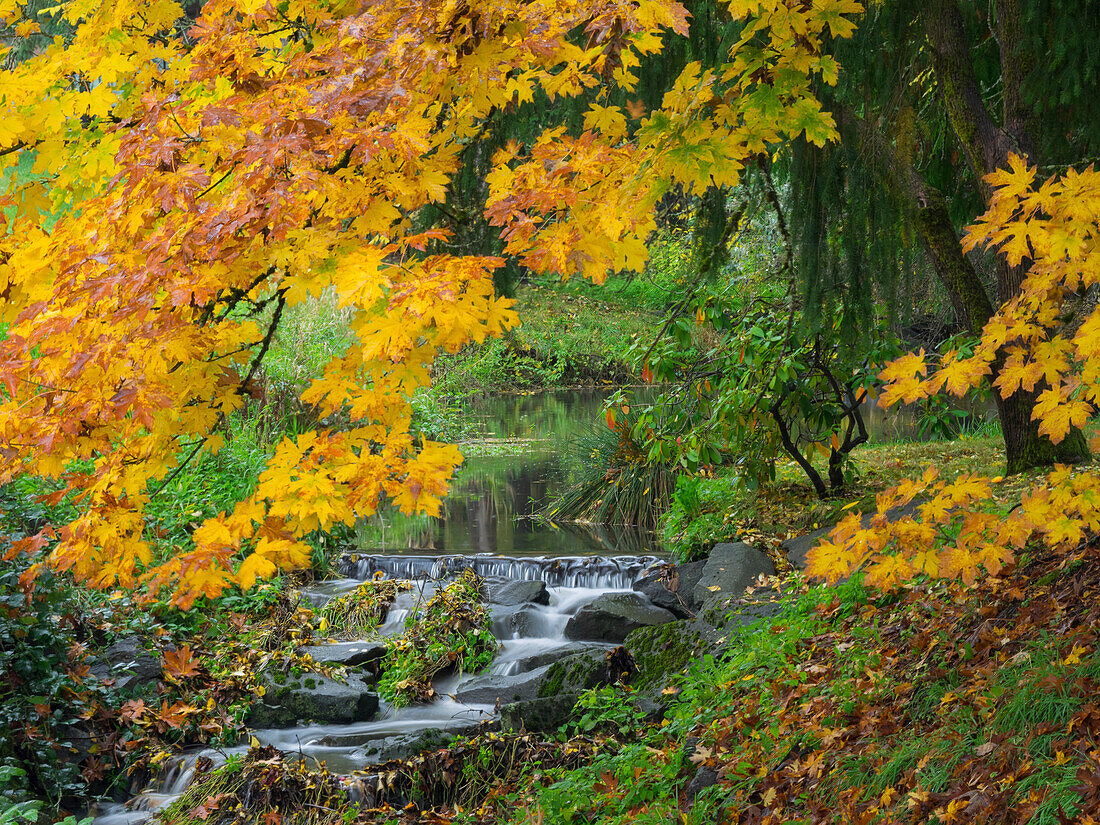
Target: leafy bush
40, 701
451, 632
698, 515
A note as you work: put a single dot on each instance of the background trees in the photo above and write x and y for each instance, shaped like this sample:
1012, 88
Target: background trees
934, 98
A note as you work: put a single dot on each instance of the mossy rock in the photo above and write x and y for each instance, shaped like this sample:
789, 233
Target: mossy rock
316, 698
584, 670
543, 715
729, 613
662, 651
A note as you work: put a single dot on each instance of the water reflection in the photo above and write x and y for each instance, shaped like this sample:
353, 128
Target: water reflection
518, 468
506, 481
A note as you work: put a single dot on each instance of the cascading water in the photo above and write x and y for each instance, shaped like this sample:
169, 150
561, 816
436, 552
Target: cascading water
576, 567
591, 572
571, 583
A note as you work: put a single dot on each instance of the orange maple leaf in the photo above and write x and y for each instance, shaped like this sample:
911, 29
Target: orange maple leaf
180, 663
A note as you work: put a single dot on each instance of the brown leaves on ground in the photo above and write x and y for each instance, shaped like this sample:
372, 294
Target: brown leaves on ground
935, 708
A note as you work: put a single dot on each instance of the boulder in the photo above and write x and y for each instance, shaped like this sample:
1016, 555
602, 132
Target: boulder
729, 569
662, 651
128, 663
542, 715
491, 690
673, 587
612, 616
728, 613
518, 592
704, 778
347, 654
311, 697
796, 548
586, 669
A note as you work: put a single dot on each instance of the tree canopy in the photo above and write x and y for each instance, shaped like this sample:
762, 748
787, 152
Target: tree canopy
169, 193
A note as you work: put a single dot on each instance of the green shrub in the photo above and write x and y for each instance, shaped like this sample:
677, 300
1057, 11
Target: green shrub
614, 481
451, 632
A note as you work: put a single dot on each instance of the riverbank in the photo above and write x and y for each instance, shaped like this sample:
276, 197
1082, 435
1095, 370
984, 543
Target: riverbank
938, 703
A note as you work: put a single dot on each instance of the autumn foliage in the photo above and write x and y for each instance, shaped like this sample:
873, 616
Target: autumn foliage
170, 192
1048, 338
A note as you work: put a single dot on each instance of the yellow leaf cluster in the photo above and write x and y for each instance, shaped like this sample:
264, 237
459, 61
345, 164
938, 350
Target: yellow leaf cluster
1049, 343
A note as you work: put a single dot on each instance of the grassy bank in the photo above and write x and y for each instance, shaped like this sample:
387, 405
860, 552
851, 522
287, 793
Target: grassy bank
572, 334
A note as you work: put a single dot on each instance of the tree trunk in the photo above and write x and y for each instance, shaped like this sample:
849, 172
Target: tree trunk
986, 146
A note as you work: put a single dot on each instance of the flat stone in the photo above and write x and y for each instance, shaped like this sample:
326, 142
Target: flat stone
731, 568
519, 592
490, 690
612, 616
408, 745
312, 697
347, 654
728, 613
673, 587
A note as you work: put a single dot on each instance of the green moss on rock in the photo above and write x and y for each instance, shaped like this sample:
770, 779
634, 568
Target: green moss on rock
663, 650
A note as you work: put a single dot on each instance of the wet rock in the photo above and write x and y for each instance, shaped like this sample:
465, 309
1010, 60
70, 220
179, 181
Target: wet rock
556, 654
542, 715
311, 697
408, 745
612, 616
491, 690
729, 569
673, 587
347, 654
516, 622
129, 663
519, 592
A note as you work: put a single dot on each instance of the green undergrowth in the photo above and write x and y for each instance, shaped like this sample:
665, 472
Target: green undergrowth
450, 632
937, 704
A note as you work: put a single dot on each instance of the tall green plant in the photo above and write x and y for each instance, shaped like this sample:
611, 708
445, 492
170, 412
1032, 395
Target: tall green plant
768, 386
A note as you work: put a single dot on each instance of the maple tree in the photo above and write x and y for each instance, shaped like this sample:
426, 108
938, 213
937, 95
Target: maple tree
1049, 346
171, 195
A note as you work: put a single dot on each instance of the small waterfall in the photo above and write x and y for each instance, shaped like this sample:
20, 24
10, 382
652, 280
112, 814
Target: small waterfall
531, 636
174, 779
594, 572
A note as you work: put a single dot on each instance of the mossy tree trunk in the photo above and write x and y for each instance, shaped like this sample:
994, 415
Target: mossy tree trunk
986, 144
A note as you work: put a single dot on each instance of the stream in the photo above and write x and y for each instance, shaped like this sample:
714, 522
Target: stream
488, 525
